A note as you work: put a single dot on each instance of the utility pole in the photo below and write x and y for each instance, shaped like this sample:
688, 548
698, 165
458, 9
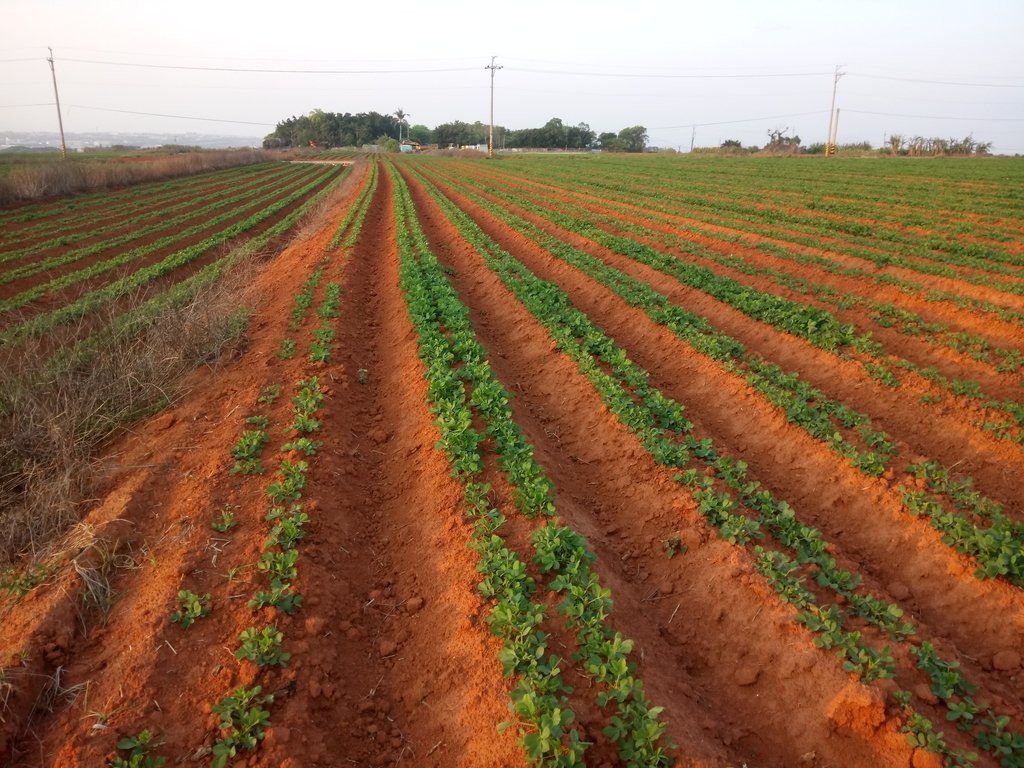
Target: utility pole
60, 120
490, 135
829, 148
693, 138
835, 134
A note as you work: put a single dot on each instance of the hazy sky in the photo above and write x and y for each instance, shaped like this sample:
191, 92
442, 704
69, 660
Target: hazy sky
660, 45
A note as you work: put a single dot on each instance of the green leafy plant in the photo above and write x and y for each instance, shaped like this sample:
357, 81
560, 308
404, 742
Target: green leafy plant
304, 445
673, 546
138, 747
247, 452
193, 607
262, 646
269, 394
21, 583
287, 349
279, 565
281, 596
226, 521
291, 480
243, 723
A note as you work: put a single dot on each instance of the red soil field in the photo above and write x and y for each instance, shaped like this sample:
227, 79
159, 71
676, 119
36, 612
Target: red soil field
392, 659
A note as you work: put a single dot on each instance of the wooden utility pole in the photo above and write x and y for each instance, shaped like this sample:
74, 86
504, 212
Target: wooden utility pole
490, 135
693, 137
60, 121
829, 147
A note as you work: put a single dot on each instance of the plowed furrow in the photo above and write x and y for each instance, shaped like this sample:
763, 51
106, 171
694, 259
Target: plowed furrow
689, 616
862, 517
941, 435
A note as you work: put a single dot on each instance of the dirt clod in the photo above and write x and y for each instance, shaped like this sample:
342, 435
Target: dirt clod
1006, 661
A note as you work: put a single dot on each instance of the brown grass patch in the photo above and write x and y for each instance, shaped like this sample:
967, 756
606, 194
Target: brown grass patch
56, 178
56, 413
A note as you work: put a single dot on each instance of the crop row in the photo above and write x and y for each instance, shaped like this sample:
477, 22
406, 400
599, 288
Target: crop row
464, 391
87, 209
92, 300
1003, 418
736, 205
973, 525
245, 712
167, 213
794, 557
672, 233
209, 217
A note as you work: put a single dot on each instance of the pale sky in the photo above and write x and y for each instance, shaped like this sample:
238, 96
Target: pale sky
660, 44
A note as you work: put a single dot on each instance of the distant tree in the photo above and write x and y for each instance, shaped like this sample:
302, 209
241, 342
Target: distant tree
400, 115
609, 141
421, 134
633, 139
459, 134
732, 144
581, 136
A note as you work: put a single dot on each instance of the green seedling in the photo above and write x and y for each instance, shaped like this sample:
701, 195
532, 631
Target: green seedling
269, 394
227, 520
192, 607
138, 752
303, 444
262, 646
288, 530
673, 546
279, 565
287, 350
280, 596
361, 375
243, 721
20, 584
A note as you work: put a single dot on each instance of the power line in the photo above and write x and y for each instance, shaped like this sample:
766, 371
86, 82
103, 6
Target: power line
275, 71
745, 120
939, 117
158, 114
934, 82
667, 76
20, 106
32, 58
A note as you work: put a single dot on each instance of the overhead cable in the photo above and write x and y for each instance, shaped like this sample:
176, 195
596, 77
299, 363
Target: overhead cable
158, 114
275, 71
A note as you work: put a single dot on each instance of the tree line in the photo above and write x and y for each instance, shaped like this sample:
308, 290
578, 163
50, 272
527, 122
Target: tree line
337, 129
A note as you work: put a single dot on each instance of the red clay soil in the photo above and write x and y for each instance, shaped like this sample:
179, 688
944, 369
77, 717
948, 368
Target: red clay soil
942, 431
105, 210
901, 558
112, 218
392, 662
63, 296
952, 363
931, 282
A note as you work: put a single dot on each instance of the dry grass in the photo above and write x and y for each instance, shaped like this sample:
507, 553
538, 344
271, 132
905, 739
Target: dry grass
55, 178
54, 416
